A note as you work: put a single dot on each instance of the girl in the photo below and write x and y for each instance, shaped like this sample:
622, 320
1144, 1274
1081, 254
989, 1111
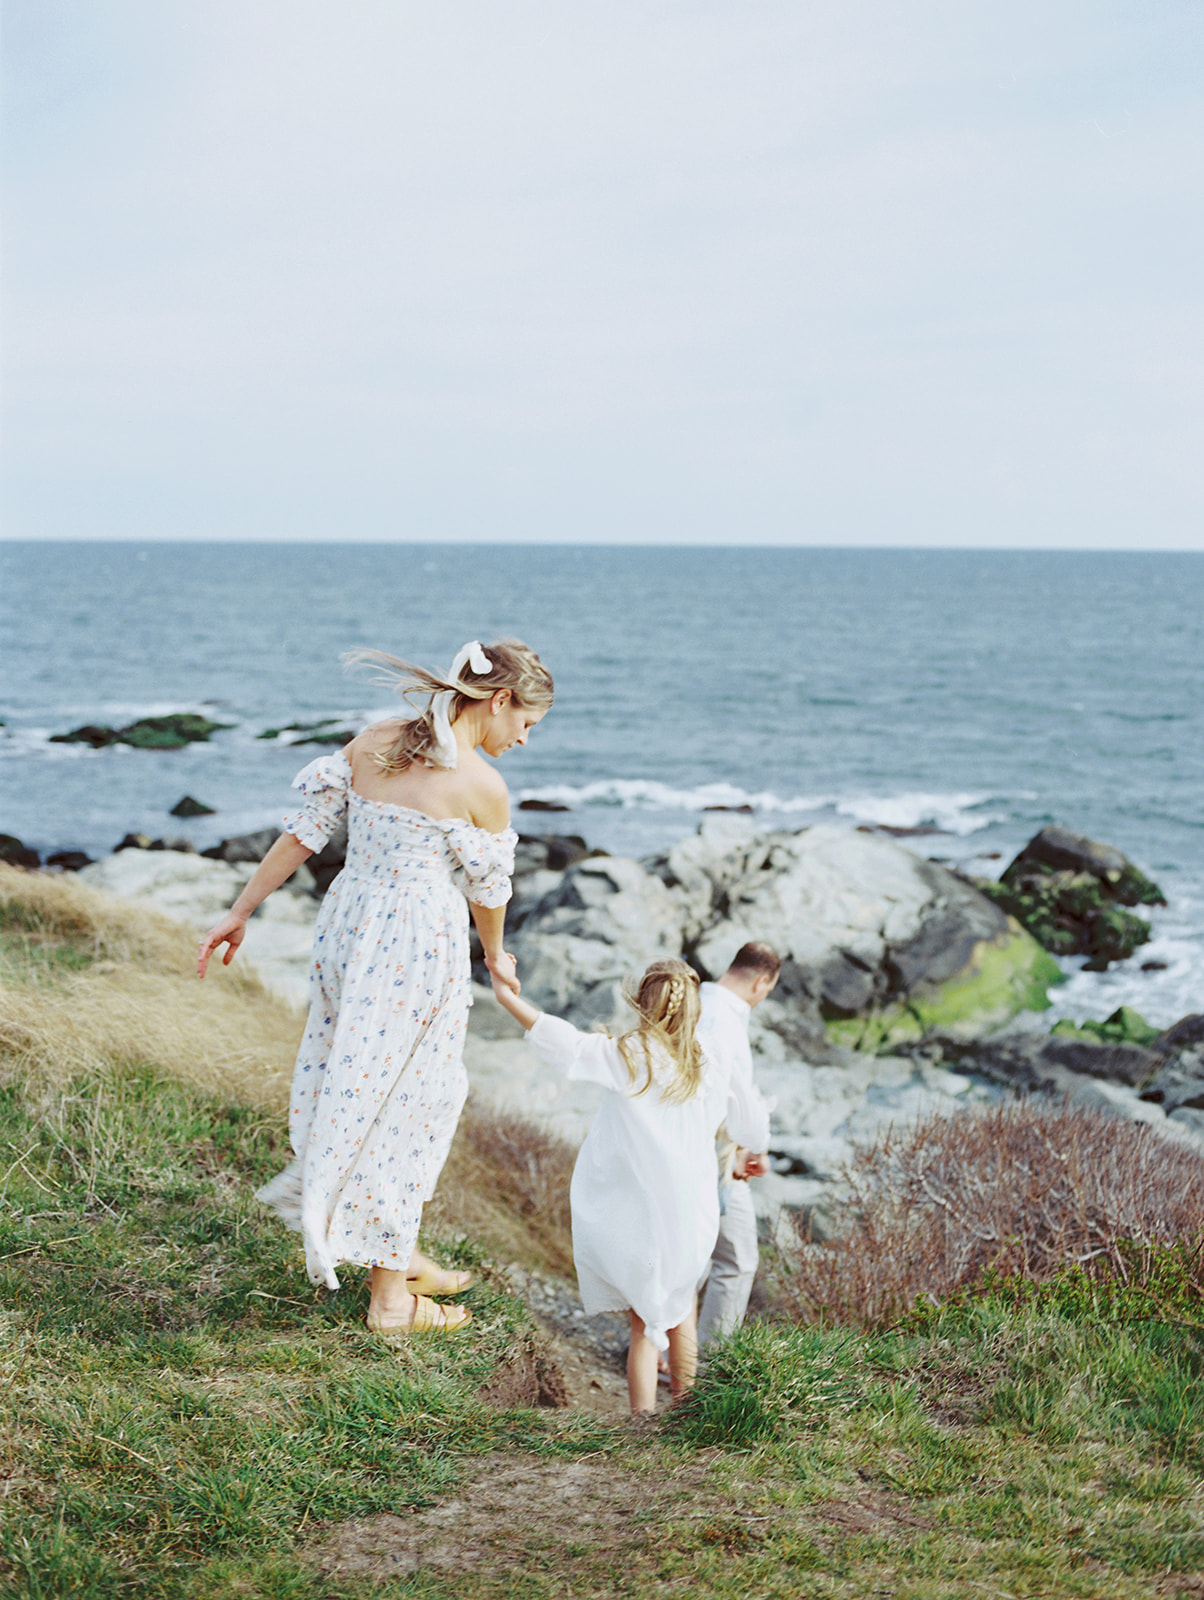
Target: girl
644, 1203
380, 1078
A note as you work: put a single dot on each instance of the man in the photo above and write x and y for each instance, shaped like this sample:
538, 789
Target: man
727, 1008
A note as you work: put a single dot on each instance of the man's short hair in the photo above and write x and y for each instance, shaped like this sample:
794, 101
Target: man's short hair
754, 958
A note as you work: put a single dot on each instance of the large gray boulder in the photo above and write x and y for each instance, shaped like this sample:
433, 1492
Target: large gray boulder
877, 944
604, 919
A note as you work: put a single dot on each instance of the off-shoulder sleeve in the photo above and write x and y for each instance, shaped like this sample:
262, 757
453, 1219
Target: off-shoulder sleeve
582, 1057
488, 861
324, 785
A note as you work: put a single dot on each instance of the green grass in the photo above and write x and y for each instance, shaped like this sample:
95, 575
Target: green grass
185, 1418
185, 1414
178, 1394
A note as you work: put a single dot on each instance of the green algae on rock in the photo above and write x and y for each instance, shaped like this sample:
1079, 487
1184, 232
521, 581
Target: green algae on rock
170, 732
1005, 975
1124, 1026
1070, 893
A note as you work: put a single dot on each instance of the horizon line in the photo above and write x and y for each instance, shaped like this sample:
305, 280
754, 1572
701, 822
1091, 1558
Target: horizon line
610, 544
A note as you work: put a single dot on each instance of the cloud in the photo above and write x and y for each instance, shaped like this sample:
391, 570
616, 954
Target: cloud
844, 273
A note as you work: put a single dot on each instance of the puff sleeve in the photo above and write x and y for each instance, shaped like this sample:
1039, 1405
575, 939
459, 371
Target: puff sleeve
324, 784
487, 860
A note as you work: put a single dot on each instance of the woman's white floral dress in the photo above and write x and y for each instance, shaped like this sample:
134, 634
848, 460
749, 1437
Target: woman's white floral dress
380, 1081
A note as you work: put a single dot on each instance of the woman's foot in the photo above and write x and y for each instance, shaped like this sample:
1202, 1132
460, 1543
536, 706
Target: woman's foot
420, 1316
426, 1277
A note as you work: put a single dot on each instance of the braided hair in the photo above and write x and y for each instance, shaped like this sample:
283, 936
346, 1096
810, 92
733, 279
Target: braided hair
666, 1002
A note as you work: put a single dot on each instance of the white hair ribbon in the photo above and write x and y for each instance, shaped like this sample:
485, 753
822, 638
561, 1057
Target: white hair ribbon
444, 752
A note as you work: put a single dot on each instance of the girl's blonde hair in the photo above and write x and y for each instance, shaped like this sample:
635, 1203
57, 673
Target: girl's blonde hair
512, 666
666, 1001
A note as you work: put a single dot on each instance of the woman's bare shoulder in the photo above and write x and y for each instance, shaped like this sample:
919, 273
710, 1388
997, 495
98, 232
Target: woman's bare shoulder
488, 796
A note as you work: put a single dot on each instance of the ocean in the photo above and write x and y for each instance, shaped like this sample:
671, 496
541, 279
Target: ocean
981, 694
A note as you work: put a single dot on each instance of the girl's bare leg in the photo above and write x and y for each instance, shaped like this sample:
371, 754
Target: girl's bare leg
683, 1356
641, 1368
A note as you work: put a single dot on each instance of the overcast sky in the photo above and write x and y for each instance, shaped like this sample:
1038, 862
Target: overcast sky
767, 271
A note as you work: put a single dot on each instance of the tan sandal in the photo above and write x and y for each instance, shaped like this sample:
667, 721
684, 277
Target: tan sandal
428, 1318
443, 1281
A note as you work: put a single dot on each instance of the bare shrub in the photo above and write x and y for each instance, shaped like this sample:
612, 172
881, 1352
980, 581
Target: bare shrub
506, 1183
1024, 1189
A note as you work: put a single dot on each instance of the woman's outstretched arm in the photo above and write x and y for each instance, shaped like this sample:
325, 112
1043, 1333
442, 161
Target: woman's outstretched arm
281, 861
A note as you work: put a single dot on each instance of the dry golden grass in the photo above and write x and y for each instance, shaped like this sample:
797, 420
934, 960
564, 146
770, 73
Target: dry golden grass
90, 984
1023, 1189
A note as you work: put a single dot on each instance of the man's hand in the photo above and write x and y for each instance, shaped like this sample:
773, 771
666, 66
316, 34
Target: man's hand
750, 1163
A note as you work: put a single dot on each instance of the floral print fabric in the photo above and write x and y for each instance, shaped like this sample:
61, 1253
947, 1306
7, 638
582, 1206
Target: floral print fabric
380, 1082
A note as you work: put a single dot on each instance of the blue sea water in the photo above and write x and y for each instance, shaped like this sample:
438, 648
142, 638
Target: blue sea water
982, 693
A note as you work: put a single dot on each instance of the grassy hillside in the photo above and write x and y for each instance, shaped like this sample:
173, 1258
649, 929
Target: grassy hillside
184, 1416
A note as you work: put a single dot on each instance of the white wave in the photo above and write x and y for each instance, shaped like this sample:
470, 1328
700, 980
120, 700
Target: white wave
951, 813
647, 794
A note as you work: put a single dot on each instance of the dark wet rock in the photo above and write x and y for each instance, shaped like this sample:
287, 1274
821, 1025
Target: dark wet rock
1070, 893
69, 860
543, 805
180, 845
244, 846
1059, 850
924, 831
17, 854
188, 807
134, 841
1120, 1063
1044, 1063
325, 731
90, 733
171, 732
1180, 1079
1179, 1082
550, 852
1188, 1031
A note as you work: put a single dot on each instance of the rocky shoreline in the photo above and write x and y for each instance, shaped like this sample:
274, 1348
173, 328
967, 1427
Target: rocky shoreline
905, 986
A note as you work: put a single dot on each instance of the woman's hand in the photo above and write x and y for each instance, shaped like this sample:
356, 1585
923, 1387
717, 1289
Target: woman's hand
503, 969
230, 931
508, 999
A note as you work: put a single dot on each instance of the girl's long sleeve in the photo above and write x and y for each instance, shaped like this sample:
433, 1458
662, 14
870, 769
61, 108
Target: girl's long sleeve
582, 1057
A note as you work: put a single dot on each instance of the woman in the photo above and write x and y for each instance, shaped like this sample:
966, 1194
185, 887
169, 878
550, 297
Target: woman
380, 1080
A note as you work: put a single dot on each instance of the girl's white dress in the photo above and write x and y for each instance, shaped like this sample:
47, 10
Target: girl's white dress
380, 1081
644, 1199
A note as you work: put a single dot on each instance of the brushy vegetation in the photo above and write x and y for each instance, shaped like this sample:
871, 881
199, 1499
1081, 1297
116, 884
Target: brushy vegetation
1023, 1190
186, 1419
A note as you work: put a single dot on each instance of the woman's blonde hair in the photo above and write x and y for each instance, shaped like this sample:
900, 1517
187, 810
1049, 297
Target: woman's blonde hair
666, 1002
512, 665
